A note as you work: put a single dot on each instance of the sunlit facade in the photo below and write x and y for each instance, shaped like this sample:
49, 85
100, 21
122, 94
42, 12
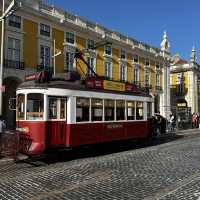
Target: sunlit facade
29, 47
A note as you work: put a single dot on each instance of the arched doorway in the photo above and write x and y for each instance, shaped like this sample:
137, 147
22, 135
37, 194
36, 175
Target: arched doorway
11, 84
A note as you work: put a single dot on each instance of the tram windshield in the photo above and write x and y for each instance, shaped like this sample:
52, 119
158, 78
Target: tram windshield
35, 106
20, 106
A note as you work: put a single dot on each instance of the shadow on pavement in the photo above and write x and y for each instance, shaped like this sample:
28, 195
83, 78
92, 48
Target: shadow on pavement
64, 155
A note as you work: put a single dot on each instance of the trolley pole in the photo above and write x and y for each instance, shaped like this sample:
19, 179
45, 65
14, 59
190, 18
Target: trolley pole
56, 52
13, 6
2, 57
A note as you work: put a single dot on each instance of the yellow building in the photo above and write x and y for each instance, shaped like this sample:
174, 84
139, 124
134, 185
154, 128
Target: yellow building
185, 90
29, 46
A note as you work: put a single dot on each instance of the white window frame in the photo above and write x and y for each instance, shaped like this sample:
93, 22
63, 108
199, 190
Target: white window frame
65, 63
124, 65
136, 75
110, 70
17, 28
13, 49
94, 65
45, 25
105, 53
123, 52
69, 43
87, 44
40, 63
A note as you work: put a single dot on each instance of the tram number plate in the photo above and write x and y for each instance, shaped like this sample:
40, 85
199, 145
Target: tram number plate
113, 126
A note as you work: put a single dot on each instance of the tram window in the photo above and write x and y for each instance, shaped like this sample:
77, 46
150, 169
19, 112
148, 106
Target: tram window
82, 109
120, 110
149, 109
62, 108
139, 110
97, 109
109, 110
130, 110
53, 108
20, 106
35, 106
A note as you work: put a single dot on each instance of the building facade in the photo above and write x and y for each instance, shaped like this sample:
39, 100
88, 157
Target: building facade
32, 31
185, 88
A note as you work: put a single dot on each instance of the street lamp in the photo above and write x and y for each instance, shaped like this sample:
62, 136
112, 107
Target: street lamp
14, 5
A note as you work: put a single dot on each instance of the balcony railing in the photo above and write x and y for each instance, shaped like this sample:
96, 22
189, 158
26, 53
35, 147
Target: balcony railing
13, 64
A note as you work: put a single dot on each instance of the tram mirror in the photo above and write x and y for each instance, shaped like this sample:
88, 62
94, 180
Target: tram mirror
12, 104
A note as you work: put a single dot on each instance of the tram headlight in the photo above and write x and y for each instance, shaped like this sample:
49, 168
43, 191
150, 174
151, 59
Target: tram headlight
23, 129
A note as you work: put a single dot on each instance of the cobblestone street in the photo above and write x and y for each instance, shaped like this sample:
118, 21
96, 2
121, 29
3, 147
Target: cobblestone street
166, 171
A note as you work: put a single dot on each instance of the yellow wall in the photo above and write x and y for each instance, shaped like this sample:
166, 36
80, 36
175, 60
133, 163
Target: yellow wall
129, 68
115, 64
81, 66
100, 61
174, 79
30, 48
186, 79
59, 39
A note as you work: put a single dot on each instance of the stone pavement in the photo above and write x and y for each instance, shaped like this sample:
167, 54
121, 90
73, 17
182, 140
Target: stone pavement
163, 136
168, 171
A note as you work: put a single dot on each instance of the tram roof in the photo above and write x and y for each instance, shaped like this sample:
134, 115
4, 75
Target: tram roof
61, 84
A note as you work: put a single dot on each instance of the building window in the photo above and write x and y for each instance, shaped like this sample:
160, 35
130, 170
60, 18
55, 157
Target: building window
20, 106
45, 30
108, 69
136, 59
180, 83
149, 109
90, 44
82, 109
96, 109
91, 62
157, 79
53, 110
69, 64
13, 52
123, 54
120, 110
35, 106
70, 38
123, 72
136, 75
44, 57
109, 107
147, 63
108, 50
139, 110
63, 109
14, 21
147, 77
157, 67
130, 110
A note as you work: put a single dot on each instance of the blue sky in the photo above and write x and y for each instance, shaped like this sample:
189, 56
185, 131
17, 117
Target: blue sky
145, 20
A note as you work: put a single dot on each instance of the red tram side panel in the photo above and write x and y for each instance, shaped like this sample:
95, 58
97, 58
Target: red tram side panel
37, 132
92, 133
51, 134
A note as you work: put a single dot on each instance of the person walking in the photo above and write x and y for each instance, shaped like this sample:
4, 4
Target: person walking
193, 120
172, 122
2, 129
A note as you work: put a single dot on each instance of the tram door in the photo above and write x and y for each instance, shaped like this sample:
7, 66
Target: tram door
56, 121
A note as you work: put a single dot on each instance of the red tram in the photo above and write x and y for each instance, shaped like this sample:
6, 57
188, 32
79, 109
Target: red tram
66, 114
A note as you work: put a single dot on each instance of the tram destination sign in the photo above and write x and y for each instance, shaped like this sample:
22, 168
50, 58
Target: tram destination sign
112, 85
